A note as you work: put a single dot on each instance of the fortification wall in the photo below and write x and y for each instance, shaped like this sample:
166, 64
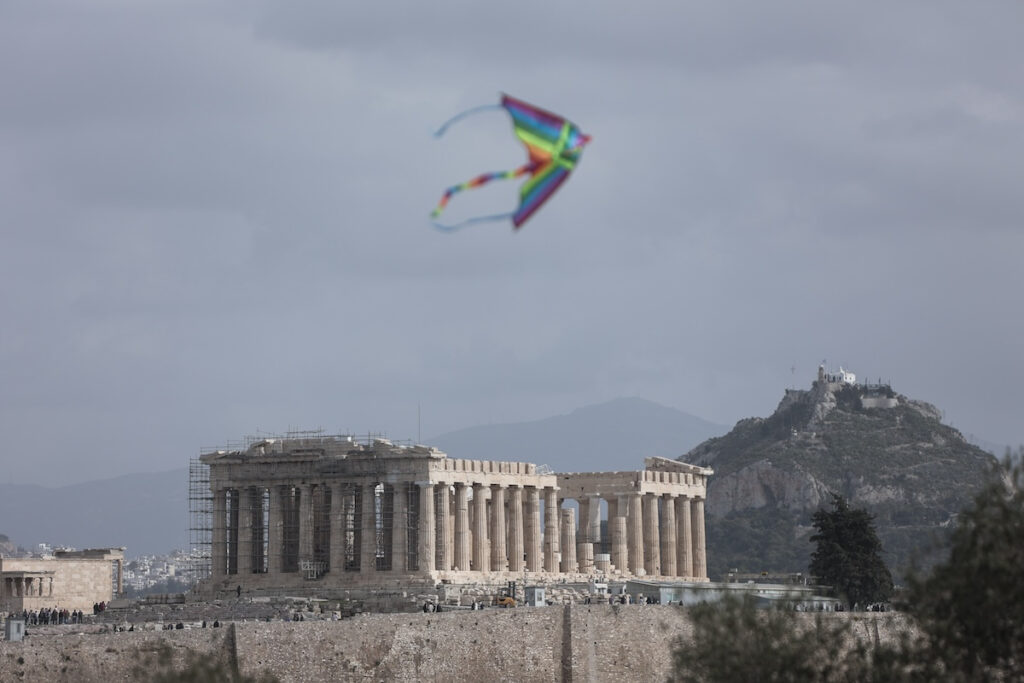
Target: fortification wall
595, 643
882, 402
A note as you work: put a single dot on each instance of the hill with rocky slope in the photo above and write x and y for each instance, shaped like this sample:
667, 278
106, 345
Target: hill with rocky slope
879, 449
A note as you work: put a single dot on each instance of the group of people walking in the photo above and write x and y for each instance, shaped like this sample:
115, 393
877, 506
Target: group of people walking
52, 615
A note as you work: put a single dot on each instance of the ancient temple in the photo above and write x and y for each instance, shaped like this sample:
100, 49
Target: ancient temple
342, 513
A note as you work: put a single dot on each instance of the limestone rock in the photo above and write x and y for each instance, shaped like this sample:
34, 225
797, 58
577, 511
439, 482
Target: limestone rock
879, 449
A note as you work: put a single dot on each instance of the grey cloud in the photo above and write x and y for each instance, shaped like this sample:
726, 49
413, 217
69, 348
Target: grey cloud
215, 216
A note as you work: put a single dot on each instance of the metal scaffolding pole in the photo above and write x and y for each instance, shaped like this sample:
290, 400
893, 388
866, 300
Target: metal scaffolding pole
200, 514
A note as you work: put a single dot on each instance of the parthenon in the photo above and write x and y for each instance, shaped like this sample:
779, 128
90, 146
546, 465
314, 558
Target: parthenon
343, 513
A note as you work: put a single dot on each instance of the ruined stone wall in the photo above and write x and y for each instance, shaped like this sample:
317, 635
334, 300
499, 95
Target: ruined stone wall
595, 643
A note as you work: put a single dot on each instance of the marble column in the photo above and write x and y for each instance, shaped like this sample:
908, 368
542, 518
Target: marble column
368, 549
427, 528
613, 512
245, 519
684, 543
260, 531
353, 527
594, 523
531, 530
218, 553
462, 541
400, 528
275, 529
515, 530
652, 550
498, 561
480, 556
668, 535
234, 496
444, 535
585, 557
551, 545
700, 567
568, 541
451, 526
620, 548
336, 521
584, 505
305, 523
635, 534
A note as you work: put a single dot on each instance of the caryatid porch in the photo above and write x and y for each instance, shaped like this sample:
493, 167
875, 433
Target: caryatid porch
331, 510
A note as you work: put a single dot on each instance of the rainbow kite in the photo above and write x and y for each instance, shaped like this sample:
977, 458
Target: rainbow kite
554, 146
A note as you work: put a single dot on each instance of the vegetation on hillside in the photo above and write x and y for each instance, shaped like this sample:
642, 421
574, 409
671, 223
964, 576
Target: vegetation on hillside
757, 540
966, 617
735, 641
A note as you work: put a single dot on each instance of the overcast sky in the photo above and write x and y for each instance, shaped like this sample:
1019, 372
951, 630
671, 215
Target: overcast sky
213, 216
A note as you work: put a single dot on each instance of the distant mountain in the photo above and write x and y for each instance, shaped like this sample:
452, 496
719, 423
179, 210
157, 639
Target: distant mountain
880, 450
146, 513
616, 435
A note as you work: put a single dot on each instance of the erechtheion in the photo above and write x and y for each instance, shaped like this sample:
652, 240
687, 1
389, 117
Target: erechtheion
70, 579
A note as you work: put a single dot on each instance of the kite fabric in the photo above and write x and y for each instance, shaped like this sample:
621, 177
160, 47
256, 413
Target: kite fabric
554, 146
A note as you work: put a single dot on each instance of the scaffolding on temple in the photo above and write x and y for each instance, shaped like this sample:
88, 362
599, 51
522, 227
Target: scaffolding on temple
290, 502
352, 526
320, 563
384, 506
200, 527
247, 534
412, 527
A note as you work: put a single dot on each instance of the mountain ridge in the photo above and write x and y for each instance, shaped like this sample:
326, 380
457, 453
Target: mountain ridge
614, 435
145, 512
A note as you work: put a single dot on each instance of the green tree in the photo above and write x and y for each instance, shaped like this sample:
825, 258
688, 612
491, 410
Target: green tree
848, 556
971, 607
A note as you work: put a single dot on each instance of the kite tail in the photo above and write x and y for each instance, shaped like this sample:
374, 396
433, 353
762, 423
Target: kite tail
471, 221
458, 117
481, 179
